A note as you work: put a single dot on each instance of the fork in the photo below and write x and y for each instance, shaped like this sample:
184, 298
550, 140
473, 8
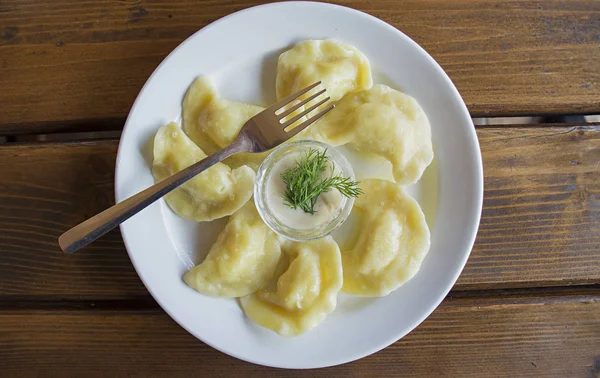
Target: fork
264, 131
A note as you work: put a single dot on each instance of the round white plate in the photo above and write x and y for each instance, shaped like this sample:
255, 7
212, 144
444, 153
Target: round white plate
240, 52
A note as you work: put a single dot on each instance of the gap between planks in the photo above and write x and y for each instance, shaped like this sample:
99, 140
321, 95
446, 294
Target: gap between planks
111, 128
486, 298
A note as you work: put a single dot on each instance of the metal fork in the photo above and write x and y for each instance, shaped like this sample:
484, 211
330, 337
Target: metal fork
262, 132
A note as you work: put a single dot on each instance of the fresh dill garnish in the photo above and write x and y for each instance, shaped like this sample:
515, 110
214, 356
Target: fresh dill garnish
305, 182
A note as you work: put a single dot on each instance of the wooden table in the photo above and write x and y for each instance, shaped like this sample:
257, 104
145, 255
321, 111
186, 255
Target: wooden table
527, 303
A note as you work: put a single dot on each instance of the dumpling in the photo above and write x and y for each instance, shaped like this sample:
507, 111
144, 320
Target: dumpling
383, 122
213, 122
338, 126
241, 261
341, 68
215, 193
393, 242
303, 290
252, 160
367, 165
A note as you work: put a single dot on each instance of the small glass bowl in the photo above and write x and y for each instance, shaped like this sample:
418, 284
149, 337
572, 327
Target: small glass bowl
260, 192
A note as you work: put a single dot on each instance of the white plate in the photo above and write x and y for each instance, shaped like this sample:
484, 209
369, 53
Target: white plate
240, 51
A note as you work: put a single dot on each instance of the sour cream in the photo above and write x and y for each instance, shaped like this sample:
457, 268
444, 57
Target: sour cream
327, 207
331, 208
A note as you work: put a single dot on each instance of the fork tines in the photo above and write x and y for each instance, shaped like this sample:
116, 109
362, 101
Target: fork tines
281, 112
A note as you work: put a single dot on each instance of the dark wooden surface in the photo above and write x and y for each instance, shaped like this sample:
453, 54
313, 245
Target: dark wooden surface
71, 64
540, 223
517, 336
527, 303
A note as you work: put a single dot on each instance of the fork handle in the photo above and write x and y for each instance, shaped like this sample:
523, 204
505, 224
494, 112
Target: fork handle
98, 225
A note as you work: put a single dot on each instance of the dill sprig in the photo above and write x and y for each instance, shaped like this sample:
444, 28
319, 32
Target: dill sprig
305, 182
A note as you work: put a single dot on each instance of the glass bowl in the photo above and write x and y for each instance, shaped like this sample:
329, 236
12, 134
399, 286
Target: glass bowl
264, 174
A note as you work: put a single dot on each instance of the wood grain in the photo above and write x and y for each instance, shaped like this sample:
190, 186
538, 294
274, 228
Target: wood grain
465, 337
540, 223
68, 60
45, 190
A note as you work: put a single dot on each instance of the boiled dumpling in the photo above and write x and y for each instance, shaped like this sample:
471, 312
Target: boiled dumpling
213, 122
367, 165
303, 290
215, 193
403, 141
383, 122
338, 126
241, 261
393, 241
341, 68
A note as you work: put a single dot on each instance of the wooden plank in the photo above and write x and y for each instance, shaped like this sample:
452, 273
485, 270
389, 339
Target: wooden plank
540, 224
519, 336
45, 189
67, 60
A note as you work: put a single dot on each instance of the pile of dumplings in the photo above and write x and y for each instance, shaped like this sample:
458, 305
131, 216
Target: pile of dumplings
287, 286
